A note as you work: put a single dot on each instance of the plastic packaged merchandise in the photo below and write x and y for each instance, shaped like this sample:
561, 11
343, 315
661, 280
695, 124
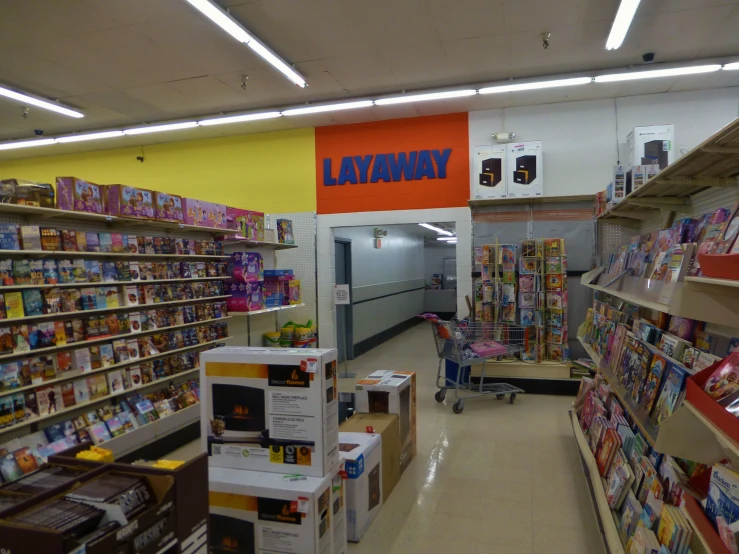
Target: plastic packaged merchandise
26, 193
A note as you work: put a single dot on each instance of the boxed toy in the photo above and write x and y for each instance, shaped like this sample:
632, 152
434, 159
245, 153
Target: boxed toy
638, 175
525, 169
252, 511
246, 266
651, 145
204, 214
168, 207
255, 225
294, 289
270, 409
246, 297
338, 511
124, 201
78, 195
392, 392
385, 425
361, 454
285, 231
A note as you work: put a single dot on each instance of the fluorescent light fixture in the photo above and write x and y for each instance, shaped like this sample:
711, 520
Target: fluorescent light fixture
90, 136
424, 97
239, 118
160, 128
731, 66
538, 85
447, 239
329, 108
673, 72
621, 24
26, 144
224, 20
39, 103
437, 229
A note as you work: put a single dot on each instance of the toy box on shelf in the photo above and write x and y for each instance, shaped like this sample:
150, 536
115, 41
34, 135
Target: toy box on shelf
204, 214
168, 207
125, 201
80, 196
26, 193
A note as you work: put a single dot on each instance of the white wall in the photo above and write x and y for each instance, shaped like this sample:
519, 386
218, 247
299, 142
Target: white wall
583, 140
327, 229
433, 258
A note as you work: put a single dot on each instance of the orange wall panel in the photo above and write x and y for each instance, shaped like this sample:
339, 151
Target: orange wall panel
433, 134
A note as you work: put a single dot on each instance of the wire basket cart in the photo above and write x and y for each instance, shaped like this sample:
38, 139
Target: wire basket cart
476, 342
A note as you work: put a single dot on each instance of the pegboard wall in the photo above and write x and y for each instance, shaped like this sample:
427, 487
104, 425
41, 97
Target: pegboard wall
611, 237
249, 330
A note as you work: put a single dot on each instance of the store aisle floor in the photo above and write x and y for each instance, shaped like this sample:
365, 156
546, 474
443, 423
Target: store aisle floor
497, 478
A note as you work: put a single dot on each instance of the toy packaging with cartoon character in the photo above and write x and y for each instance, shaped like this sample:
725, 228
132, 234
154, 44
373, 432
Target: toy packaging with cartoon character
204, 214
168, 207
77, 195
125, 201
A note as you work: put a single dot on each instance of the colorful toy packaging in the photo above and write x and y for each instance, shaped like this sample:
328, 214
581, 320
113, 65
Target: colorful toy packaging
285, 231
78, 195
204, 214
254, 226
124, 201
236, 219
294, 287
246, 297
246, 266
168, 207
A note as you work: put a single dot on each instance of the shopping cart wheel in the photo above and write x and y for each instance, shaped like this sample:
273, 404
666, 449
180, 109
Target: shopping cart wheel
458, 407
500, 396
440, 395
512, 399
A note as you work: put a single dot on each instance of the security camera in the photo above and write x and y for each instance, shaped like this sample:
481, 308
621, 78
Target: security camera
648, 57
38, 132
545, 40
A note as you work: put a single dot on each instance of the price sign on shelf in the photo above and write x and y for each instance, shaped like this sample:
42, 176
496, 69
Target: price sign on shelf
341, 294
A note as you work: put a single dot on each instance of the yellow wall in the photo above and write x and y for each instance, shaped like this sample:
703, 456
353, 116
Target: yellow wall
269, 172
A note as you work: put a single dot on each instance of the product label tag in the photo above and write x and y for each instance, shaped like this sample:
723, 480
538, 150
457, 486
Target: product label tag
312, 365
369, 429
303, 504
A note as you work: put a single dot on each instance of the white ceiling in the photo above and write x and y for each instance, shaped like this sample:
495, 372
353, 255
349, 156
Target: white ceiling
124, 62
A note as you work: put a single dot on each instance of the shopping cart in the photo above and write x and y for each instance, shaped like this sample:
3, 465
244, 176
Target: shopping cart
468, 343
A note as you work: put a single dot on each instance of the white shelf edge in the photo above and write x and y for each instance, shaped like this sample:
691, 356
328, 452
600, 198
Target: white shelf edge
74, 254
4, 288
604, 512
264, 311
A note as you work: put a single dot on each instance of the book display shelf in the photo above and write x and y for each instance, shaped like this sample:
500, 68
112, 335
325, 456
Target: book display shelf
102, 346
656, 428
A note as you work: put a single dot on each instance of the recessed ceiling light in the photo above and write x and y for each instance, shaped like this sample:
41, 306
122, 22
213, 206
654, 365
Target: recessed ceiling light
731, 66
537, 85
672, 72
329, 108
437, 229
160, 128
239, 118
26, 99
425, 97
621, 24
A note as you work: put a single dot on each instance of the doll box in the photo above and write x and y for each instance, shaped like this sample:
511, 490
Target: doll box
77, 195
236, 220
285, 231
168, 207
246, 266
246, 297
124, 201
204, 214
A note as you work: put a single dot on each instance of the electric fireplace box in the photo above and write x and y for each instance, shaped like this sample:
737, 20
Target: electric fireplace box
338, 511
361, 454
256, 512
270, 409
653, 145
392, 392
525, 169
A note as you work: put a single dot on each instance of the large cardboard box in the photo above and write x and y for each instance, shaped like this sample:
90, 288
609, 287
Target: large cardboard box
489, 175
252, 511
361, 454
651, 145
270, 409
525, 169
385, 425
392, 392
338, 512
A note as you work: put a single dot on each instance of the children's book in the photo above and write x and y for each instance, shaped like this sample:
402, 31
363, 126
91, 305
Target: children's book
672, 392
14, 305
98, 386
628, 516
99, 433
115, 427
657, 370
92, 271
110, 273
620, 479
81, 392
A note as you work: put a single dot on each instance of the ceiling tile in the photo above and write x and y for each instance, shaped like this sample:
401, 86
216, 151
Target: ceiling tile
361, 71
481, 59
535, 15
130, 12
68, 18
459, 19
301, 30
421, 66
391, 24
118, 101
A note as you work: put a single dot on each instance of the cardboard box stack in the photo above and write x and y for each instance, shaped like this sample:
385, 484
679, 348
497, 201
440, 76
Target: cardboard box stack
270, 426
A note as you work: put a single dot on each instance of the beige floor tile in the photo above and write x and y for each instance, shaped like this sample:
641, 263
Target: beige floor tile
560, 540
